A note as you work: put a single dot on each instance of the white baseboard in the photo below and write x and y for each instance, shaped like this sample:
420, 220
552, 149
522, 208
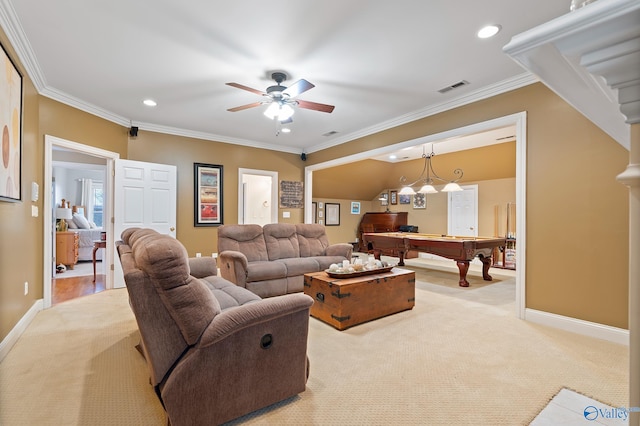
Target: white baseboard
586, 328
15, 333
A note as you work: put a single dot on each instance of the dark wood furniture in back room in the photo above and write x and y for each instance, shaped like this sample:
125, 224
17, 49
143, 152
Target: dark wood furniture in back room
379, 222
343, 303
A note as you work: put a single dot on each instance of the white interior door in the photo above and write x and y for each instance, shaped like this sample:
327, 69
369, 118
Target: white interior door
144, 197
463, 212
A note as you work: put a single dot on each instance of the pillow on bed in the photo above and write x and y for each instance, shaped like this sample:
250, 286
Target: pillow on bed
71, 224
81, 221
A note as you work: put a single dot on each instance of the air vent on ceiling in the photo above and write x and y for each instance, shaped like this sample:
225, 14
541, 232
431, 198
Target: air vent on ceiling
506, 137
331, 133
454, 86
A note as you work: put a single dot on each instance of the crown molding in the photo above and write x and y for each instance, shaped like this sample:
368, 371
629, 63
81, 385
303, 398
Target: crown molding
480, 94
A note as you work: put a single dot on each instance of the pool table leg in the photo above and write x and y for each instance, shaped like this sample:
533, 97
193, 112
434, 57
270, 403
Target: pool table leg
486, 264
377, 253
463, 266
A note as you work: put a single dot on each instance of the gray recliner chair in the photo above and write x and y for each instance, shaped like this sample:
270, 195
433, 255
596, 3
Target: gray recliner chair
215, 351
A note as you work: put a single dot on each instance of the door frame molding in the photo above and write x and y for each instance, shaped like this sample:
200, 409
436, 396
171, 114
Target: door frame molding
50, 142
274, 191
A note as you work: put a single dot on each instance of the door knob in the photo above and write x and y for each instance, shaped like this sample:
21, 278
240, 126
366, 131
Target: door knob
172, 229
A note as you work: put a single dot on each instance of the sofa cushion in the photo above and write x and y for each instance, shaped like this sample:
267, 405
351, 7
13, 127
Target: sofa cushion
267, 270
300, 265
229, 295
325, 261
281, 240
312, 239
247, 239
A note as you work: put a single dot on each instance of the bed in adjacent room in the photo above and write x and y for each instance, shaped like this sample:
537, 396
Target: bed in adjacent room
87, 231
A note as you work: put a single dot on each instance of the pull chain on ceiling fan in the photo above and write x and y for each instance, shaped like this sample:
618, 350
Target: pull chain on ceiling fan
280, 99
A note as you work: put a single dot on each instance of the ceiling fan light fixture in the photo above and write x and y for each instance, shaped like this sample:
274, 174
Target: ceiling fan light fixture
279, 111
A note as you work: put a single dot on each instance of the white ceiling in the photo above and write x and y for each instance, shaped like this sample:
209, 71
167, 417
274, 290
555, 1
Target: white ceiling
380, 63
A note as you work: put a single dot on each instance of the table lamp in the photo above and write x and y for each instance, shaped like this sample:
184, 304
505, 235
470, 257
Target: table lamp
62, 214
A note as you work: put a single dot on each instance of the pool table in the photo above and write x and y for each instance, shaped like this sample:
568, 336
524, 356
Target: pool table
460, 249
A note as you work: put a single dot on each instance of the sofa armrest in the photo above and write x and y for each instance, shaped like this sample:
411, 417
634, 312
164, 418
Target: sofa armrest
201, 267
233, 320
340, 249
234, 267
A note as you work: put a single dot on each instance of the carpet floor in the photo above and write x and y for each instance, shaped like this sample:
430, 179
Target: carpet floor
459, 357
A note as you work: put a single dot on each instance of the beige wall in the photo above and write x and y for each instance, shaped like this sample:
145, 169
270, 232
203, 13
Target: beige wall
183, 152
577, 214
21, 236
492, 195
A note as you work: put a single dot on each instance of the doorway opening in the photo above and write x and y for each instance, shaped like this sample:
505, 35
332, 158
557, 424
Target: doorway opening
106, 159
257, 196
519, 123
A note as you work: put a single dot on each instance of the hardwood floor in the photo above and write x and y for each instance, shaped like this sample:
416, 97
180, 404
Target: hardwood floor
63, 289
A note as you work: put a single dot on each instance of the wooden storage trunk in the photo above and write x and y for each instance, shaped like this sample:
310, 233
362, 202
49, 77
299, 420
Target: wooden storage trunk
343, 303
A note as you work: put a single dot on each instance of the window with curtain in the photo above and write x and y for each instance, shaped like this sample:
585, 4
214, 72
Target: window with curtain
97, 195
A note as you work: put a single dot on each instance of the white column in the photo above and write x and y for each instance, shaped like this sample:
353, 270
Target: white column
631, 178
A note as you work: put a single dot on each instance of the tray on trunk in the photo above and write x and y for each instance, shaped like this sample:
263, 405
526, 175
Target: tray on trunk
358, 273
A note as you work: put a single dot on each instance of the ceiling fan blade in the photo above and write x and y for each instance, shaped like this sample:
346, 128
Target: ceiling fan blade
247, 106
249, 89
298, 87
315, 106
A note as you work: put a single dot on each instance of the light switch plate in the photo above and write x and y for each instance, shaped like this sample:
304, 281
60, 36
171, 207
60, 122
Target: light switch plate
35, 190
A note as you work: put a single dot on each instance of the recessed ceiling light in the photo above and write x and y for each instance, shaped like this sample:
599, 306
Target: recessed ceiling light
286, 130
392, 157
489, 31
150, 102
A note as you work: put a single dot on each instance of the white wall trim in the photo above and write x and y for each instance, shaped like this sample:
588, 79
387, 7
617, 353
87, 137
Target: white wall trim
578, 326
15, 333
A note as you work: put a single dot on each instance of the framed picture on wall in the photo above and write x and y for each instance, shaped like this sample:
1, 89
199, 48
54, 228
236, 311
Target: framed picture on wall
11, 122
314, 212
419, 201
393, 197
207, 194
355, 207
404, 198
332, 217
384, 199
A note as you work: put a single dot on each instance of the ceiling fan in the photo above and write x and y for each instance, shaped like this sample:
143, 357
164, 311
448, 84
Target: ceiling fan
281, 98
